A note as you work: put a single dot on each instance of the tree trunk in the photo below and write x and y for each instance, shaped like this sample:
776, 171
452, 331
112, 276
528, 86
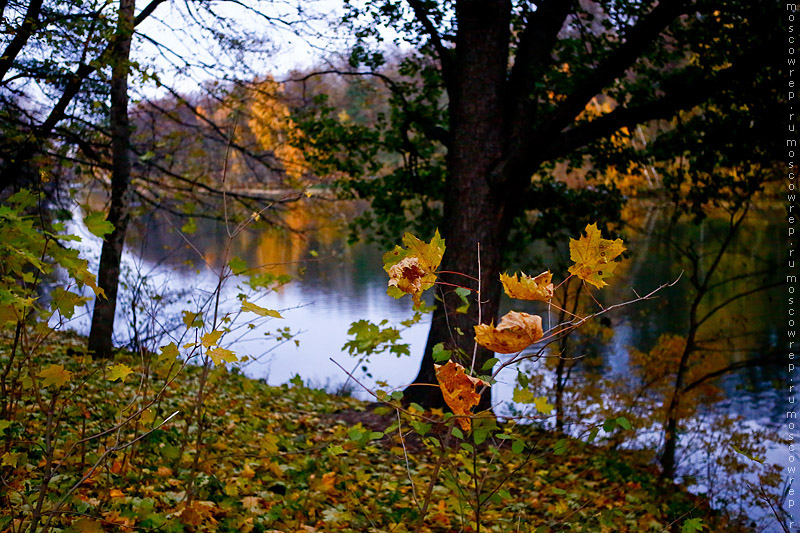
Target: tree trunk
476, 210
100, 337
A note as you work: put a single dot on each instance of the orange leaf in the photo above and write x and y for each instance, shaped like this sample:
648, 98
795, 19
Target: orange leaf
515, 332
458, 390
328, 481
528, 288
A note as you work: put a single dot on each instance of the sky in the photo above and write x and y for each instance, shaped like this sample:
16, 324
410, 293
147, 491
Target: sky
273, 37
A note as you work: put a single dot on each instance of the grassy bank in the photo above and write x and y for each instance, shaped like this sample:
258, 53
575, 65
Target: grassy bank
252, 457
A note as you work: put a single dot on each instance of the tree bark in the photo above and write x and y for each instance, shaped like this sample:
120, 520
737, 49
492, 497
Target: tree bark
100, 336
476, 212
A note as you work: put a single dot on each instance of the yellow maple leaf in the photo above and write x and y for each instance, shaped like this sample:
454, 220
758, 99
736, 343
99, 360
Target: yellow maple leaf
10, 459
413, 270
458, 390
261, 311
527, 288
540, 402
211, 338
220, 356
515, 332
55, 375
118, 372
593, 256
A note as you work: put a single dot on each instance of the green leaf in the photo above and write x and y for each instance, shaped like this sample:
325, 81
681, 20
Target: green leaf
479, 435
355, 433
335, 449
261, 311
692, 524
624, 423
97, 224
190, 226
397, 395
457, 433
439, 354
609, 425
560, 447
238, 265
420, 427
517, 446
488, 365
463, 294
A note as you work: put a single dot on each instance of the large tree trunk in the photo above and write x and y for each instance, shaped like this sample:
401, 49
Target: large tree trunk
100, 337
476, 211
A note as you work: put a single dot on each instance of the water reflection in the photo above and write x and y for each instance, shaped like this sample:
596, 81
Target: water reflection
338, 284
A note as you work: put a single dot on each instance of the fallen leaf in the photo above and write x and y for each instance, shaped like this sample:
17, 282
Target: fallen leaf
515, 332
328, 481
593, 256
85, 525
10, 459
527, 288
459, 391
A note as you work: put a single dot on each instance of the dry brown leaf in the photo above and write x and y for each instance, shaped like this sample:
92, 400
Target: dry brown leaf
515, 332
539, 288
407, 275
459, 391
